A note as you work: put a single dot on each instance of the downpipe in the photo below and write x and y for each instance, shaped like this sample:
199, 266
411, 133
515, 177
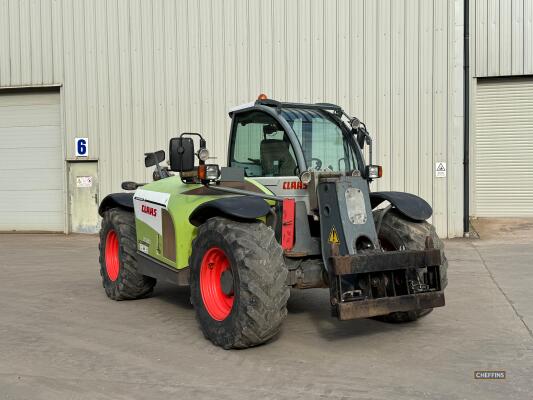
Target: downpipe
466, 120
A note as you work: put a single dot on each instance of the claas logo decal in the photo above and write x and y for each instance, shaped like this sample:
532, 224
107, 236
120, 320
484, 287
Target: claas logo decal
149, 210
294, 185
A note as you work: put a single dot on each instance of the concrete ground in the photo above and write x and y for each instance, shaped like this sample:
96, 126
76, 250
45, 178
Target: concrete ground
61, 338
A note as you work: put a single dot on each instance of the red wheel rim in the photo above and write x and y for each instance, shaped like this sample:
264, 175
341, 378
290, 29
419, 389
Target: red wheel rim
112, 262
217, 303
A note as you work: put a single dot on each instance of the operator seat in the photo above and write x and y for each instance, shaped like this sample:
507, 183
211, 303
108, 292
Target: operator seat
276, 158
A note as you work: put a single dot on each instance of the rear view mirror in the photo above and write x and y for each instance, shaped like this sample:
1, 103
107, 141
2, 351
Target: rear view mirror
130, 185
152, 159
361, 139
181, 154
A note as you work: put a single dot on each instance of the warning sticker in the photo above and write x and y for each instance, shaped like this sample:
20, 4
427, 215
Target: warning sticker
84, 181
333, 237
440, 169
143, 247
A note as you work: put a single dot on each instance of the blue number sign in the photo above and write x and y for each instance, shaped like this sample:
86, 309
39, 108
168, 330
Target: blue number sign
82, 146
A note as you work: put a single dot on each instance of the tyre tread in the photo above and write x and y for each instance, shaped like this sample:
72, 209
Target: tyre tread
130, 284
413, 235
262, 273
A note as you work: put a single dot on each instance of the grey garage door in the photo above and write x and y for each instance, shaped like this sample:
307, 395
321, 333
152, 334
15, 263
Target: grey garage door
503, 176
31, 166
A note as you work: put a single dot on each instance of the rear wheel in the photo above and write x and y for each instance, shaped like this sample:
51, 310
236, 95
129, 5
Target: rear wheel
238, 283
400, 233
118, 261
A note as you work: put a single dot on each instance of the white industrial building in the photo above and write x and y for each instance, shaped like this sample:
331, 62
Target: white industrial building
124, 76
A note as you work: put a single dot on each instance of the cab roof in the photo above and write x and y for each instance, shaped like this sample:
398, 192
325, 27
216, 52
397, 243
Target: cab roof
280, 105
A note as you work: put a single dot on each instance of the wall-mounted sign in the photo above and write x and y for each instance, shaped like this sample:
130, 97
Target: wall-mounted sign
82, 146
84, 181
440, 169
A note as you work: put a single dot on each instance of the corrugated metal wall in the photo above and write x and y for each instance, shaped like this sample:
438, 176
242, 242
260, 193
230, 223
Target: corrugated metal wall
504, 37
136, 72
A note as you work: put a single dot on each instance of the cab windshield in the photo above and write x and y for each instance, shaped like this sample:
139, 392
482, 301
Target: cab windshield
322, 140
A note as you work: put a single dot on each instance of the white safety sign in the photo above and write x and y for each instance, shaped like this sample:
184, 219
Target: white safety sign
84, 181
440, 169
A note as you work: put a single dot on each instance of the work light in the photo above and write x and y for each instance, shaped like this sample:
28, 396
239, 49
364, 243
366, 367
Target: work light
374, 171
306, 177
208, 172
203, 154
355, 123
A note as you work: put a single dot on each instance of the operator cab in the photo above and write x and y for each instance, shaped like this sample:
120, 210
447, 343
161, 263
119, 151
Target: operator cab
273, 139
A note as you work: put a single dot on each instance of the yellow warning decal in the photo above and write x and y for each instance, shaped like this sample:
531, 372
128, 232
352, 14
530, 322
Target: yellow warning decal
333, 237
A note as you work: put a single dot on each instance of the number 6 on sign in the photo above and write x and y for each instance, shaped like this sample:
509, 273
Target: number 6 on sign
82, 146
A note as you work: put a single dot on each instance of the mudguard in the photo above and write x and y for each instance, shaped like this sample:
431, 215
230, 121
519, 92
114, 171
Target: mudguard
116, 200
240, 208
408, 204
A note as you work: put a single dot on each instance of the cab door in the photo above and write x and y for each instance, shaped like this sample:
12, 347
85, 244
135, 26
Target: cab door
261, 146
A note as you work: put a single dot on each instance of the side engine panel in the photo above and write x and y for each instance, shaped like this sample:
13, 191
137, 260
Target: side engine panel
152, 215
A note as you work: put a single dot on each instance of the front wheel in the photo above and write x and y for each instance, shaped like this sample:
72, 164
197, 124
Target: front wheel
400, 233
238, 282
118, 259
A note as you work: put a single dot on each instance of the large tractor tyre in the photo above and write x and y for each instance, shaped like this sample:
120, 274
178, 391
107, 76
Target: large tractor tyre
118, 260
238, 282
398, 232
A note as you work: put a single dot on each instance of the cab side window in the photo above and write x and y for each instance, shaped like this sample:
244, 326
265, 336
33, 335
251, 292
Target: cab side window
261, 147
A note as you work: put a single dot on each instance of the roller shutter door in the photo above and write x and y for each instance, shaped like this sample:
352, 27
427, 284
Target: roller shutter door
31, 162
503, 178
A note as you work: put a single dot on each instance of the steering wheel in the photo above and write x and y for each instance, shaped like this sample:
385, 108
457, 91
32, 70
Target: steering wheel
254, 161
318, 163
